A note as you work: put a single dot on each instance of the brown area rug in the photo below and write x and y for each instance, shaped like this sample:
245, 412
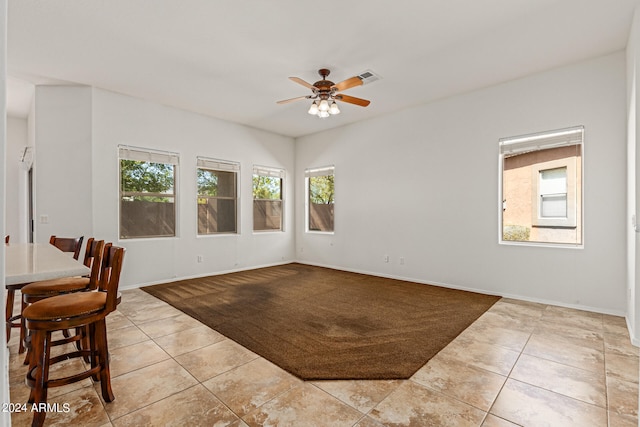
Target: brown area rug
319, 323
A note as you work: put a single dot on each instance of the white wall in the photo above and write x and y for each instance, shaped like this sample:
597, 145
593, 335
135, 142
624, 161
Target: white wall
435, 168
633, 179
119, 119
16, 143
62, 166
5, 417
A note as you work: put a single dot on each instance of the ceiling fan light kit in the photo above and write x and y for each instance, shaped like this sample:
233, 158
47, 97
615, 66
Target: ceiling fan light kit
325, 94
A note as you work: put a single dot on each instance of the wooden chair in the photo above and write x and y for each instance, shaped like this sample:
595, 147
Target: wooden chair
65, 244
68, 244
86, 311
37, 291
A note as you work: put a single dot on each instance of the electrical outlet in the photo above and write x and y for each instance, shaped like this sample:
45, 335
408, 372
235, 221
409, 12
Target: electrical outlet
199, 258
401, 260
386, 258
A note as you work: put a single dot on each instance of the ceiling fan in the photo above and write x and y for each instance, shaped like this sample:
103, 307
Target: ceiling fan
325, 94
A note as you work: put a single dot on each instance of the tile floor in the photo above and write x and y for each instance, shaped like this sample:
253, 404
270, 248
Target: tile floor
520, 364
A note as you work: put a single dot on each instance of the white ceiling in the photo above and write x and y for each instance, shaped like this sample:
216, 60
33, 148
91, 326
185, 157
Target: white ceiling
231, 58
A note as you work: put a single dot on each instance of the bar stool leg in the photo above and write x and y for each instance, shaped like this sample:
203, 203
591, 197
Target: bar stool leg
103, 356
41, 348
11, 294
23, 329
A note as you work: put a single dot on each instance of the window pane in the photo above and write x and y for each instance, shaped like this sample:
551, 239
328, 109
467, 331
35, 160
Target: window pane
146, 177
553, 181
553, 206
321, 203
267, 203
147, 199
216, 216
216, 183
267, 215
217, 201
542, 187
267, 187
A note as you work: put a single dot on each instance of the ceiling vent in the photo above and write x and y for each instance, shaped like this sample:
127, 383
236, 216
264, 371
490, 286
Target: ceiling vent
368, 77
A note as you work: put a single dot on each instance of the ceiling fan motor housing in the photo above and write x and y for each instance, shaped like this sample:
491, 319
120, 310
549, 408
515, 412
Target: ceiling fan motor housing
323, 86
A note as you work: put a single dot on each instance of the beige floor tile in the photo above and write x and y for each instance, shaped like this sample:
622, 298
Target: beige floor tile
304, 406
132, 304
572, 317
117, 320
622, 397
528, 405
572, 334
474, 386
576, 383
413, 405
207, 362
189, 340
138, 296
530, 311
616, 420
620, 345
500, 319
135, 356
361, 395
559, 350
481, 355
67, 368
193, 407
144, 314
145, 386
615, 325
170, 325
368, 422
511, 339
493, 421
125, 336
248, 386
622, 367
81, 407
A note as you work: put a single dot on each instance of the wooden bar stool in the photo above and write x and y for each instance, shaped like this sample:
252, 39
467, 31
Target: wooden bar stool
68, 244
85, 311
37, 291
65, 244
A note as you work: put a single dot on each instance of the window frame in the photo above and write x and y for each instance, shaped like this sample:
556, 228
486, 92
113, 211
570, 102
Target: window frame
148, 155
271, 172
541, 141
217, 165
314, 172
571, 219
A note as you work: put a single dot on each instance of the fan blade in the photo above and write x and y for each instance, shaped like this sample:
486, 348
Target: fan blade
286, 101
353, 100
349, 83
302, 82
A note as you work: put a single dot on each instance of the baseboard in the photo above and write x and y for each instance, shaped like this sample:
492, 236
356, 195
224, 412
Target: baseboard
409, 279
634, 340
464, 288
197, 276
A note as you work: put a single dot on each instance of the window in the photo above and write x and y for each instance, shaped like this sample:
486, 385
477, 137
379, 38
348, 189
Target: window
147, 193
217, 182
267, 198
541, 187
553, 193
320, 199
